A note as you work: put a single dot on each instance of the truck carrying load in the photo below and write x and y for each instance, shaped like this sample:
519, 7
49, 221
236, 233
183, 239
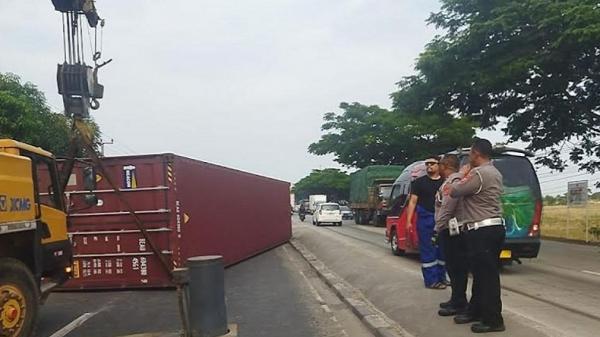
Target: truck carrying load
189, 208
370, 190
314, 201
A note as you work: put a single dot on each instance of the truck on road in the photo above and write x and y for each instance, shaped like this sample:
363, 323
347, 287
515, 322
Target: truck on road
35, 251
370, 190
314, 200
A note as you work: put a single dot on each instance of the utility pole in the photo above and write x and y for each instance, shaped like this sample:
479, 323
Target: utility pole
102, 143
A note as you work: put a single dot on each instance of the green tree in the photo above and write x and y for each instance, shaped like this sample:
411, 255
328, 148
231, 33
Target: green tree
532, 63
331, 182
561, 199
26, 117
549, 200
369, 135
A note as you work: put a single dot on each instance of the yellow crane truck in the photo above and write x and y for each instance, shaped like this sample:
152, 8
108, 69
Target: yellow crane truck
35, 251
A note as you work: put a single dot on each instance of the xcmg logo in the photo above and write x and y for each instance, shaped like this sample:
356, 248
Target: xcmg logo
10, 204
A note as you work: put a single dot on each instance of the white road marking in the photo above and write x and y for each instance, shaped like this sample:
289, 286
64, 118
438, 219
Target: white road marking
312, 289
591, 272
74, 325
526, 320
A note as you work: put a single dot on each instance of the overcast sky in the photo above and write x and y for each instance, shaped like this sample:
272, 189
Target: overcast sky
239, 83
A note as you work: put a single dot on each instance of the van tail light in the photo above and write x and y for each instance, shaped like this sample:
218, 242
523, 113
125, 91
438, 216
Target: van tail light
534, 230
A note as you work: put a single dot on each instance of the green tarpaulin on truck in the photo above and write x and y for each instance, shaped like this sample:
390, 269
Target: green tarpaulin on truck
364, 178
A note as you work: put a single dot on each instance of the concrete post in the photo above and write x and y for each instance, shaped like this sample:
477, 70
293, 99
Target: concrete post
207, 312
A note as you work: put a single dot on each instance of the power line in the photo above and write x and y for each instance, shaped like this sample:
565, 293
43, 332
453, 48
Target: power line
571, 169
566, 177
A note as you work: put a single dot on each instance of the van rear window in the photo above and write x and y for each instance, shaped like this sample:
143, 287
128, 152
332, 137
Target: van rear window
517, 172
521, 192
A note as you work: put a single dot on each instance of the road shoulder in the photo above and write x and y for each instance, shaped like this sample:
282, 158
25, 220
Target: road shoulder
393, 284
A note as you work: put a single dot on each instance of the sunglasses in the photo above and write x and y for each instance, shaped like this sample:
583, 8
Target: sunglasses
431, 163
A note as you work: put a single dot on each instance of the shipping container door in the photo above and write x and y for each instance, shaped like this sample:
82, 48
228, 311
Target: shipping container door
109, 249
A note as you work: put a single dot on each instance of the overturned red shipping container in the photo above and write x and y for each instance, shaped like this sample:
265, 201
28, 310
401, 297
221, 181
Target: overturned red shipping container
189, 208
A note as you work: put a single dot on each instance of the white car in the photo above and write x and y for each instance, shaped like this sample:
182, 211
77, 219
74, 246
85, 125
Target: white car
327, 212
346, 213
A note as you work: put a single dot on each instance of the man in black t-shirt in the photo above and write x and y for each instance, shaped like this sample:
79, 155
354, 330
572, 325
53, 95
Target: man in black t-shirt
422, 204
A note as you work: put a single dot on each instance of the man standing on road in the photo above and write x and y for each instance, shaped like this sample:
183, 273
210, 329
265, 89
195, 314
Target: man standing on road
482, 218
422, 199
452, 243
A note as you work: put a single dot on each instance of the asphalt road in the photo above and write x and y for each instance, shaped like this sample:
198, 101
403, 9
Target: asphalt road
556, 294
273, 294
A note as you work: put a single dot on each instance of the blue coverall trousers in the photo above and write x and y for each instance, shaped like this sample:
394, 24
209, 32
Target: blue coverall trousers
432, 262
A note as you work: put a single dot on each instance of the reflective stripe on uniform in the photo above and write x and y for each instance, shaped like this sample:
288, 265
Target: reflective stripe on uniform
429, 264
432, 264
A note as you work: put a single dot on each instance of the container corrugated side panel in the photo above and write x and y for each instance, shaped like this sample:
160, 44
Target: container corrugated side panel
229, 212
190, 208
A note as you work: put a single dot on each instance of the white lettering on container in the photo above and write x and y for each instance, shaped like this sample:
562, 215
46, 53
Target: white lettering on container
142, 244
143, 266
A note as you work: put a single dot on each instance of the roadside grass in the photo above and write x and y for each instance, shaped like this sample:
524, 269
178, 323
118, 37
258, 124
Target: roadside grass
569, 223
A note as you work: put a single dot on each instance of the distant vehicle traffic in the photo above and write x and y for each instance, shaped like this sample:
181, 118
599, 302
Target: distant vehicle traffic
327, 213
314, 201
306, 206
521, 201
370, 190
346, 213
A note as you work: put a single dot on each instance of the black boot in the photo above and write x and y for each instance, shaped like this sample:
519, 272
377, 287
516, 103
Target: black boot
446, 304
452, 310
483, 328
465, 318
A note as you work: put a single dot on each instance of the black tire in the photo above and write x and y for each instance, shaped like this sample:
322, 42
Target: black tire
14, 275
318, 223
367, 218
395, 248
361, 218
380, 220
339, 223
